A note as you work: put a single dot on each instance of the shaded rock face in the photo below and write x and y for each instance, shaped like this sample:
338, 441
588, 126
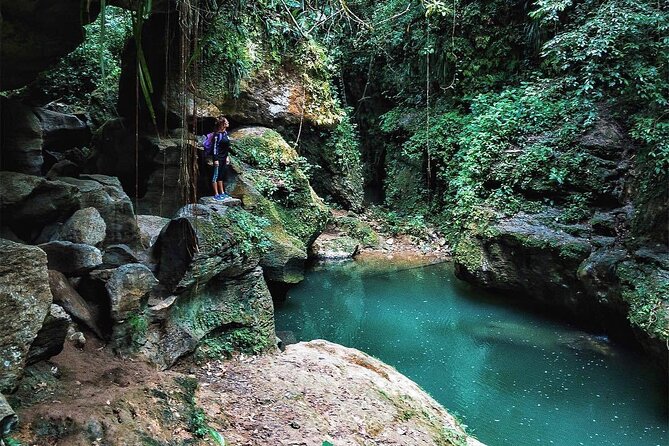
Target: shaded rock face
25, 299
21, 138
126, 287
50, 338
72, 302
155, 177
585, 259
35, 35
70, 258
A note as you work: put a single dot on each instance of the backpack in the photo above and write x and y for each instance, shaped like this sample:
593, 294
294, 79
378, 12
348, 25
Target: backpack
208, 142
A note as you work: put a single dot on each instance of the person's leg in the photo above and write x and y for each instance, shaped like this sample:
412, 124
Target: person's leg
221, 187
214, 179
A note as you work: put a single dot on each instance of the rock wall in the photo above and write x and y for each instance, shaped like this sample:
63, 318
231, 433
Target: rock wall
609, 268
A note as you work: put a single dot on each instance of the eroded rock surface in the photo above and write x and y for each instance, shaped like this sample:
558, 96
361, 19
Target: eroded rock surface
25, 299
314, 392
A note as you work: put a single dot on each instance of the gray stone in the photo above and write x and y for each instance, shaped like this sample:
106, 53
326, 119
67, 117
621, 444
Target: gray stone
127, 287
334, 247
8, 418
117, 255
51, 337
25, 299
220, 305
107, 195
85, 226
63, 168
72, 258
75, 305
28, 203
150, 227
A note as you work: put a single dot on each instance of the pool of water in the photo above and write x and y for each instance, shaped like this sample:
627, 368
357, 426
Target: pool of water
512, 376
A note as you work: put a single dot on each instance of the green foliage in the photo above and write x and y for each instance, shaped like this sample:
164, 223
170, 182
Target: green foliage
342, 146
646, 291
236, 340
80, 74
137, 327
8, 441
248, 231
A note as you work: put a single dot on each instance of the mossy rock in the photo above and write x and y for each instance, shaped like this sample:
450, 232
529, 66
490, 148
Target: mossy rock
273, 185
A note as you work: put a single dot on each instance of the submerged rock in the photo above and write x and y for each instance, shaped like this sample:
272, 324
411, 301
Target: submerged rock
25, 299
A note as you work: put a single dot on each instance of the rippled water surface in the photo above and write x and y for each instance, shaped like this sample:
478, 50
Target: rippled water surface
513, 377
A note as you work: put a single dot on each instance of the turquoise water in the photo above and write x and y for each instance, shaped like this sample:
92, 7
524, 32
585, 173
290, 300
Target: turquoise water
513, 377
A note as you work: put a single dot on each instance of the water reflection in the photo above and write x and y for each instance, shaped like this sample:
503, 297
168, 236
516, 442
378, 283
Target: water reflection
515, 378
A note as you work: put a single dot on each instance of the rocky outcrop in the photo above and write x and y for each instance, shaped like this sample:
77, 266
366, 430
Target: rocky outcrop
25, 299
277, 99
588, 252
313, 393
228, 314
271, 183
30, 203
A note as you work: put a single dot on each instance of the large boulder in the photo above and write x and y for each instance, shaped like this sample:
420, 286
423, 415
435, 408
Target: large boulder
107, 195
150, 227
85, 226
29, 203
62, 131
73, 259
127, 286
25, 299
225, 315
271, 182
202, 242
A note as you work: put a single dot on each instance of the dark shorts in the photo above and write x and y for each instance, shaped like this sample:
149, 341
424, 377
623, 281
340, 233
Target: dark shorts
218, 172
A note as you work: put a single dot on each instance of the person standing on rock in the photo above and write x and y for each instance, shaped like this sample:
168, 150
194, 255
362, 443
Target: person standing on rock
219, 141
